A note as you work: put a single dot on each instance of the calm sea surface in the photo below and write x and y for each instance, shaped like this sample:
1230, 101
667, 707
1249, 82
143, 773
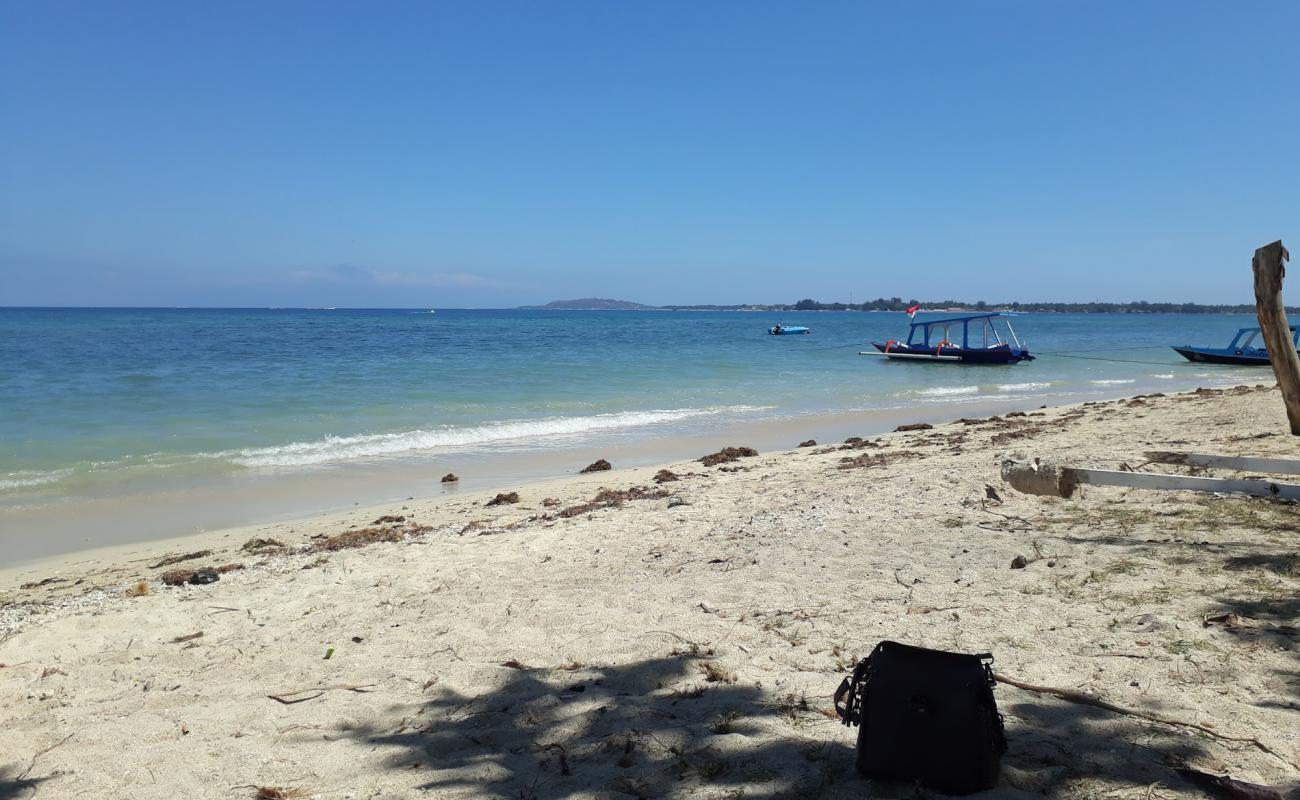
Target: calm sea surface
98, 402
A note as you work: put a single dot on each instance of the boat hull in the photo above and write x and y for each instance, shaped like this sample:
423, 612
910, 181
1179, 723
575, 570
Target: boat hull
954, 355
1213, 355
791, 331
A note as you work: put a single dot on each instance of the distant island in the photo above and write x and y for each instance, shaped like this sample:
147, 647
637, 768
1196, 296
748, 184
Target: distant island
593, 304
899, 304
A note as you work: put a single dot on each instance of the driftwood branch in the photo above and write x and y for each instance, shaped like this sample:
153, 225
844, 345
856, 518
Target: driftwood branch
1231, 788
1268, 268
1042, 477
40, 753
910, 587
289, 698
1073, 477
1277, 466
1083, 698
23, 779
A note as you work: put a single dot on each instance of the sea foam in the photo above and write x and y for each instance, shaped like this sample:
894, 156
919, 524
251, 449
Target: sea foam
25, 479
1022, 387
1113, 381
333, 449
947, 391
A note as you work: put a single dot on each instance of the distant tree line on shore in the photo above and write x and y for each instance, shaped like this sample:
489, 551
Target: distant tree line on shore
899, 304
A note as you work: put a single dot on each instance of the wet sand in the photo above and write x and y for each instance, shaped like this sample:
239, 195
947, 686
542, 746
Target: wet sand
186, 506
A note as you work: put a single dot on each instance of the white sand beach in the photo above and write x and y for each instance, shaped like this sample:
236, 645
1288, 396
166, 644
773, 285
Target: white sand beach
682, 638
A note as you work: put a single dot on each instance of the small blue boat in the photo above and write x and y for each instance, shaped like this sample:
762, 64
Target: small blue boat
962, 340
787, 330
1241, 351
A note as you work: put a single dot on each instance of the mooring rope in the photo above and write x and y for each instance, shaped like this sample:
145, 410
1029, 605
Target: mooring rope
1113, 360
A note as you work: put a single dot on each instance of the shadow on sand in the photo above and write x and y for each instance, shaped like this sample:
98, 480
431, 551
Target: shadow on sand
13, 787
639, 730
1273, 612
1274, 623
679, 725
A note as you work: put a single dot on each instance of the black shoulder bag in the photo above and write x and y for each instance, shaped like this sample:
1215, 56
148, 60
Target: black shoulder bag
926, 716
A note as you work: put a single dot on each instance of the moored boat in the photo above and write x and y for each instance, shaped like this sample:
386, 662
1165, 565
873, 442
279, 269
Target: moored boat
787, 330
1241, 351
974, 339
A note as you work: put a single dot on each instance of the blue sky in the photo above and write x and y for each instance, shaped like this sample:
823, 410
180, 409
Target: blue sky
492, 154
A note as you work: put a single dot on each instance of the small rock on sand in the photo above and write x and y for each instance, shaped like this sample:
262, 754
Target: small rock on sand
1019, 562
504, 498
915, 426
202, 576
450, 477
808, 443
1147, 623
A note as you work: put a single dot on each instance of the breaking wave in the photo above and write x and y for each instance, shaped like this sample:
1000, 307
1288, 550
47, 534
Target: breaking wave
1113, 381
26, 479
947, 391
346, 448
1022, 387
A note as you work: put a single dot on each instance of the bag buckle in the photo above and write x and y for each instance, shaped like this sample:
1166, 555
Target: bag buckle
986, 661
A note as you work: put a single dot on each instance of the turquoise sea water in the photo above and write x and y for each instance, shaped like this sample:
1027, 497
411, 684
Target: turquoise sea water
94, 402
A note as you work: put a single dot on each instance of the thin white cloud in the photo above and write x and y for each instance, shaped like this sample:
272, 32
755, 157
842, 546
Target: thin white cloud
444, 279
350, 274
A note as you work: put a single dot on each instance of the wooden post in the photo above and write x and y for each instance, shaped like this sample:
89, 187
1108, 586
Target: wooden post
1268, 269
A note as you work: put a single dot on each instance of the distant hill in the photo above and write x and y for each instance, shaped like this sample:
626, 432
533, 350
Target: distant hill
899, 304
980, 307
594, 304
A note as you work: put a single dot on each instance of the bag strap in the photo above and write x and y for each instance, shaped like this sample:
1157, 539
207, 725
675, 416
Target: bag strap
841, 708
851, 692
999, 723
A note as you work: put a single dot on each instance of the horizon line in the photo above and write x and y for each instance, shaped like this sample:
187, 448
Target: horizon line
645, 307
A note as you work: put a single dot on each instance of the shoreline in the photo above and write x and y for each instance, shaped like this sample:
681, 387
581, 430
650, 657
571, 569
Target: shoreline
634, 462
238, 501
699, 625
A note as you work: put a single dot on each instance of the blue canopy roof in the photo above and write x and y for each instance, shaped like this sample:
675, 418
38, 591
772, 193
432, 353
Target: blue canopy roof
969, 318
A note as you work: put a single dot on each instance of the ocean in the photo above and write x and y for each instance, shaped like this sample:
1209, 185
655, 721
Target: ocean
116, 406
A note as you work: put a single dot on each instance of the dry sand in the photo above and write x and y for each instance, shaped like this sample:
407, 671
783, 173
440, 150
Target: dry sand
685, 643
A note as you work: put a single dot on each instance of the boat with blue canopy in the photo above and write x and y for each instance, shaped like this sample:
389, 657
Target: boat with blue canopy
975, 339
787, 330
1241, 351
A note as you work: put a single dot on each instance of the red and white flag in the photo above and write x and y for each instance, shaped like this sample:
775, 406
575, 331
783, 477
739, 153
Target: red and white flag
911, 311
